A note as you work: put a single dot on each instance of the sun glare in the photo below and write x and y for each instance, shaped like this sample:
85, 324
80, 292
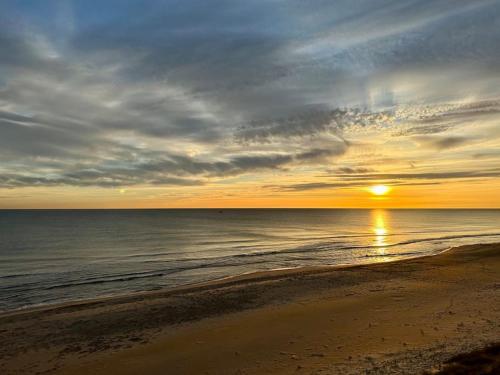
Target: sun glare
380, 189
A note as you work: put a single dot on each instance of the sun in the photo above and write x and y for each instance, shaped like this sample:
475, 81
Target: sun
379, 189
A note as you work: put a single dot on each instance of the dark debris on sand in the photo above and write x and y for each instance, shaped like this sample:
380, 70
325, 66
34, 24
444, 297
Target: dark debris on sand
484, 361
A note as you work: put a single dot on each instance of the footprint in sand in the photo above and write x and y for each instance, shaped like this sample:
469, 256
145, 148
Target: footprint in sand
398, 298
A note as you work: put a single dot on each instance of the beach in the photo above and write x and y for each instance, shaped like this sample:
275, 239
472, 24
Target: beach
249, 188
407, 316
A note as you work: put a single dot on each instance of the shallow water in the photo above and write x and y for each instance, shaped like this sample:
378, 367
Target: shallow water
49, 256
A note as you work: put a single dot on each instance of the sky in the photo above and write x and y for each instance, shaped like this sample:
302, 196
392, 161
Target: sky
229, 103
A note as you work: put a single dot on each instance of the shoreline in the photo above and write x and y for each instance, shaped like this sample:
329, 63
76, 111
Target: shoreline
247, 277
401, 316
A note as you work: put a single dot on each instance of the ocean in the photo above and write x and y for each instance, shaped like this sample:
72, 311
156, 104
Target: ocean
52, 256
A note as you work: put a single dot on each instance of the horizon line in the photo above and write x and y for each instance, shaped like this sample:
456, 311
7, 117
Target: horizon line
247, 208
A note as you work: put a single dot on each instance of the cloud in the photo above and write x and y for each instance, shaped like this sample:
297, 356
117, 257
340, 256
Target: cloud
349, 170
308, 186
15, 181
441, 142
182, 92
337, 185
162, 169
466, 174
436, 119
311, 123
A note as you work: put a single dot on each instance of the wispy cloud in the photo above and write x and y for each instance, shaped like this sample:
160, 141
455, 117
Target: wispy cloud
187, 93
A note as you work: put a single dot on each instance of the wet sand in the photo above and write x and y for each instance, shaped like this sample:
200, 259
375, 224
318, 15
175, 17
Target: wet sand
409, 317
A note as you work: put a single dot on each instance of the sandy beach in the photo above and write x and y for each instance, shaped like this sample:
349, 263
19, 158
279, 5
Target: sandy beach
293, 187
407, 316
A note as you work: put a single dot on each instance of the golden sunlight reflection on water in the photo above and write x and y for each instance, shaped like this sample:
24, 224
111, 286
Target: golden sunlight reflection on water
381, 229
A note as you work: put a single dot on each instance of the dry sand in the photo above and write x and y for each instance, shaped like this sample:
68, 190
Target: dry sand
401, 317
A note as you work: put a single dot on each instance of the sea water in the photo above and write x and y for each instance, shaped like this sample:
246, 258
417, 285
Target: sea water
52, 256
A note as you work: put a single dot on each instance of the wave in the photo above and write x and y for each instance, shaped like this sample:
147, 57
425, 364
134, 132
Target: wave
229, 261
234, 260
121, 277
391, 255
15, 276
327, 246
